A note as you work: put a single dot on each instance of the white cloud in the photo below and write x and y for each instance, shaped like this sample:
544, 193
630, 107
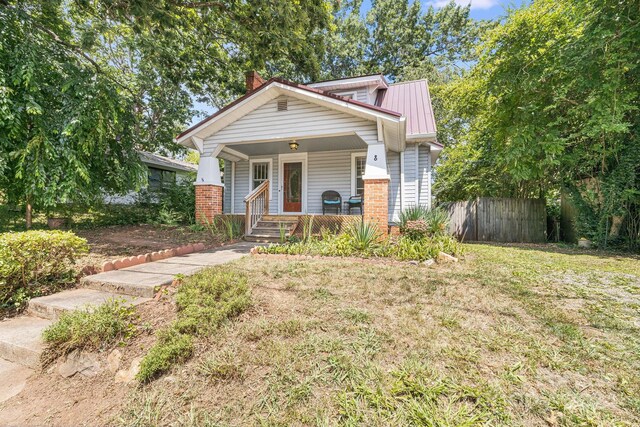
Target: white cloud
475, 4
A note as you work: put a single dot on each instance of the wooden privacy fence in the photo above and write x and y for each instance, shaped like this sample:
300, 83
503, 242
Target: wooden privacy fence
499, 220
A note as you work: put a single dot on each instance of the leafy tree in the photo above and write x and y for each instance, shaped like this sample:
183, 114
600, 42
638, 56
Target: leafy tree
400, 40
84, 84
553, 103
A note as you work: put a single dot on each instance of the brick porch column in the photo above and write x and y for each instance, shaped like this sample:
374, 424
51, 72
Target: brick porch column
376, 188
209, 190
376, 203
208, 202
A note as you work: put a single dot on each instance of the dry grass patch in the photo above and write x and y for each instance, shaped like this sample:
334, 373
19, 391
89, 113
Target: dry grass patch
496, 340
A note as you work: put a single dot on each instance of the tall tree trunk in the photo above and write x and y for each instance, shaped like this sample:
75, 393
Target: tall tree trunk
28, 215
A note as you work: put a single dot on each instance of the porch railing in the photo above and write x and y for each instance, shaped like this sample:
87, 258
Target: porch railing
257, 204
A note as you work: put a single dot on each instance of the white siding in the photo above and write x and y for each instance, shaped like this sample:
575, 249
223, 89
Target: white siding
424, 173
301, 119
361, 94
226, 201
410, 177
393, 166
243, 185
328, 170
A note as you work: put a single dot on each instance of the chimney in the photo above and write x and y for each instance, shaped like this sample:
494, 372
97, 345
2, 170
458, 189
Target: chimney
253, 80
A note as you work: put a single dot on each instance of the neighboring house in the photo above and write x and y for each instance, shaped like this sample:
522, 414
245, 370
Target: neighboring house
355, 136
162, 171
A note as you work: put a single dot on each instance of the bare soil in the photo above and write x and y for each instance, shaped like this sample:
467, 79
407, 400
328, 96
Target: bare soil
49, 399
109, 243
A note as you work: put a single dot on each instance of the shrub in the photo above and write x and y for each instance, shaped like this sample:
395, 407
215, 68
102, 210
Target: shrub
407, 248
419, 221
438, 220
412, 213
91, 328
36, 262
403, 248
205, 300
416, 229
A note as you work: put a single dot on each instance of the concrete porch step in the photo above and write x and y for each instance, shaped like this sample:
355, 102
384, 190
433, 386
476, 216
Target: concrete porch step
276, 224
21, 340
270, 231
52, 306
280, 218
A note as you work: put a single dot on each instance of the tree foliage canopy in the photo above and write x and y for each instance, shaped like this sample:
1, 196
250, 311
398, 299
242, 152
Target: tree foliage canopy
553, 103
83, 84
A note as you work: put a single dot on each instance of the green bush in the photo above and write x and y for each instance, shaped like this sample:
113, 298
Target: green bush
420, 221
205, 300
92, 328
36, 263
364, 241
363, 235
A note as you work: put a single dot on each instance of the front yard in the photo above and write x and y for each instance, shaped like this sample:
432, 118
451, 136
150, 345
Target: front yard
513, 335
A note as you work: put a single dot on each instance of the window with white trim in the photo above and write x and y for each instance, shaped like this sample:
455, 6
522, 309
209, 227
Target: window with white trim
260, 173
360, 164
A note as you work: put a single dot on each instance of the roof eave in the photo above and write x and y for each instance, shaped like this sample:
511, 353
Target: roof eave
185, 138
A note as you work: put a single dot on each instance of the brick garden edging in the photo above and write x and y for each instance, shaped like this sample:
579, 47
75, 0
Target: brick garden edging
151, 256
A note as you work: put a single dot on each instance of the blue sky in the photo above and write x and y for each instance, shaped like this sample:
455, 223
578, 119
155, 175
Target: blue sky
480, 9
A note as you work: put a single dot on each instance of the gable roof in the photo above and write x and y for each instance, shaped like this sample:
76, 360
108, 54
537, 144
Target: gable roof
166, 162
412, 100
374, 108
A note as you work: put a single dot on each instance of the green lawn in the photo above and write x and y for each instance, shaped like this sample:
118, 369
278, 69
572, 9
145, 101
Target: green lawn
534, 335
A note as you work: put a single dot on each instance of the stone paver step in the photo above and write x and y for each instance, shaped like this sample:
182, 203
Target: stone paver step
21, 340
52, 306
127, 282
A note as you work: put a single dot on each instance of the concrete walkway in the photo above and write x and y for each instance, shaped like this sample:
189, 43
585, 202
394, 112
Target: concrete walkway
21, 337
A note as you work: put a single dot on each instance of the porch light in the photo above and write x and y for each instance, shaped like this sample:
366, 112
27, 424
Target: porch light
293, 145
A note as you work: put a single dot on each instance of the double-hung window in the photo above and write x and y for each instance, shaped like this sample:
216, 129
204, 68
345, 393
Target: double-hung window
358, 164
260, 173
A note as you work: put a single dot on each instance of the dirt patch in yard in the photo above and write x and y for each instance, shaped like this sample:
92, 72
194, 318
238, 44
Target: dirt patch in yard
109, 243
49, 399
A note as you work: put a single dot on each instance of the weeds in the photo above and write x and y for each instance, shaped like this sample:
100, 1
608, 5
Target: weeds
91, 329
204, 300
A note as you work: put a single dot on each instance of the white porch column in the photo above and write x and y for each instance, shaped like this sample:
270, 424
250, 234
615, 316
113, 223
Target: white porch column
376, 167
208, 171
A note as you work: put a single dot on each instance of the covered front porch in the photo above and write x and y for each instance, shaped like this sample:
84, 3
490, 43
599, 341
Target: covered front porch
304, 175
293, 177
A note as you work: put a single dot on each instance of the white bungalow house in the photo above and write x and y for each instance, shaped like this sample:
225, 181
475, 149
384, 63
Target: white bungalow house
285, 144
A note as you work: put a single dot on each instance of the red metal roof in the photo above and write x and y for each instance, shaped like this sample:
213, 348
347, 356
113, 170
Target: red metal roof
412, 100
296, 85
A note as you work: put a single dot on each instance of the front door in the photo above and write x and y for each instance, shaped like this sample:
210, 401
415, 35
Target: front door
292, 187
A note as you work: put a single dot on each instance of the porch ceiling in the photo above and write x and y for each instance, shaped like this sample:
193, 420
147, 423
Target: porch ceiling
334, 143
